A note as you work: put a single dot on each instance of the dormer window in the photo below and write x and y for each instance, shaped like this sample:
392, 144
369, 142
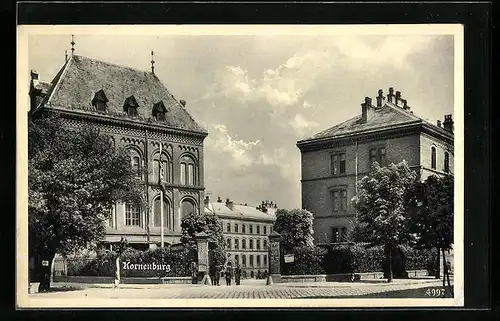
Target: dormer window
159, 111
130, 106
99, 101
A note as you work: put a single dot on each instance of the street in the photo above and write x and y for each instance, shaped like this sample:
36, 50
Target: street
249, 289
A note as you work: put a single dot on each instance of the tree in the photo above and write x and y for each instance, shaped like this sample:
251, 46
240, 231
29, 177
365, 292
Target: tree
295, 228
193, 224
432, 214
75, 175
382, 208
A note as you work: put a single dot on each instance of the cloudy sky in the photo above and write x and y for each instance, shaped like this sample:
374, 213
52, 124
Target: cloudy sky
258, 94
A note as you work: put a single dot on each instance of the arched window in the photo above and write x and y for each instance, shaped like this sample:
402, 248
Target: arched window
168, 219
446, 162
188, 171
433, 157
188, 207
166, 168
136, 162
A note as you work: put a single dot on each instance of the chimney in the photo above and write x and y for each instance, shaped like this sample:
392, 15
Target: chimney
34, 91
405, 106
390, 96
380, 98
34, 77
229, 203
364, 109
183, 103
398, 98
219, 200
439, 123
207, 200
448, 123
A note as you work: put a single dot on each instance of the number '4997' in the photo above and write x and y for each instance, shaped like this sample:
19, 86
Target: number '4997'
435, 292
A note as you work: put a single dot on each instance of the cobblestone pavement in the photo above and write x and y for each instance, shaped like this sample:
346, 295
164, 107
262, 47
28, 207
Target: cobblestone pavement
248, 290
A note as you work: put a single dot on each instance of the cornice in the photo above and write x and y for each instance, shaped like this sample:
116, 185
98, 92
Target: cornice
414, 127
133, 124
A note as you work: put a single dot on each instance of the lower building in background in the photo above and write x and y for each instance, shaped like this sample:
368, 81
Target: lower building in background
246, 230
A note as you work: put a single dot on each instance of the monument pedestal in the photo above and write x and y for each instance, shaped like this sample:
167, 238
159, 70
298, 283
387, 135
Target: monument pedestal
203, 260
274, 258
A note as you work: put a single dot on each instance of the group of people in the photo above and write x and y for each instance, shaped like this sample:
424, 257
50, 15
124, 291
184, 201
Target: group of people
216, 273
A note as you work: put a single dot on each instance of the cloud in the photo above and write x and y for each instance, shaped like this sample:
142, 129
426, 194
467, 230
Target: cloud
280, 87
302, 125
288, 83
238, 150
359, 54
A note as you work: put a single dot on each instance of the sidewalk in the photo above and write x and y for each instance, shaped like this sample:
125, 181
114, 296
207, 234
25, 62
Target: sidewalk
255, 284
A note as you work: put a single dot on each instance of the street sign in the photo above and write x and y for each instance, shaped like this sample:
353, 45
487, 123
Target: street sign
289, 258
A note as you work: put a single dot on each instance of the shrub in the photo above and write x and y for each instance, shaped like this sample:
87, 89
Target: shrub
420, 259
308, 260
351, 258
104, 263
359, 258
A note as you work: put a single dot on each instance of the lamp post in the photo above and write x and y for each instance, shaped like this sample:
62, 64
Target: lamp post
161, 197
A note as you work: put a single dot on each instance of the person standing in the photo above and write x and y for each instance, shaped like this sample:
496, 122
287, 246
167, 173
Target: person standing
212, 270
228, 276
194, 273
237, 274
216, 275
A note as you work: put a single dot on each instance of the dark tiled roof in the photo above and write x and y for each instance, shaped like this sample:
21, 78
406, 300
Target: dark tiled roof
81, 78
388, 116
239, 212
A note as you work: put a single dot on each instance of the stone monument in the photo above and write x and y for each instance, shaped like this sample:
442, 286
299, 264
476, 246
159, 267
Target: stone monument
274, 258
203, 262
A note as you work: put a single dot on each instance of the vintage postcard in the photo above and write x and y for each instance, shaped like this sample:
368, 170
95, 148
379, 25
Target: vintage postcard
240, 166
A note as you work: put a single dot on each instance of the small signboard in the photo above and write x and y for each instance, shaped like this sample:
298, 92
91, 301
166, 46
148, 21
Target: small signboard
45, 263
289, 258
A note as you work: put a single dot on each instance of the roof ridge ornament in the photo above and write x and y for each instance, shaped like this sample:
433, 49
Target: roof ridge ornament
152, 62
72, 45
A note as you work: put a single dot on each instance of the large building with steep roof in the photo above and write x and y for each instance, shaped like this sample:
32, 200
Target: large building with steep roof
246, 230
333, 160
136, 111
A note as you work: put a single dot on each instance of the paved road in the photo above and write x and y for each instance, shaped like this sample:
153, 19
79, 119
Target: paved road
251, 289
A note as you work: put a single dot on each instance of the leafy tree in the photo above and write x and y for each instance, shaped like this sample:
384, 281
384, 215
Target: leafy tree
193, 224
382, 208
432, 214
74, 177
295, 227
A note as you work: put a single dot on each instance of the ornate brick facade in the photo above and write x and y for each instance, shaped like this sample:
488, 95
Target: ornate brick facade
88, 92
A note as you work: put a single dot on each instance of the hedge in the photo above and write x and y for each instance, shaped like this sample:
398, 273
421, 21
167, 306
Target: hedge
104, 263
308, 260
359, 258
